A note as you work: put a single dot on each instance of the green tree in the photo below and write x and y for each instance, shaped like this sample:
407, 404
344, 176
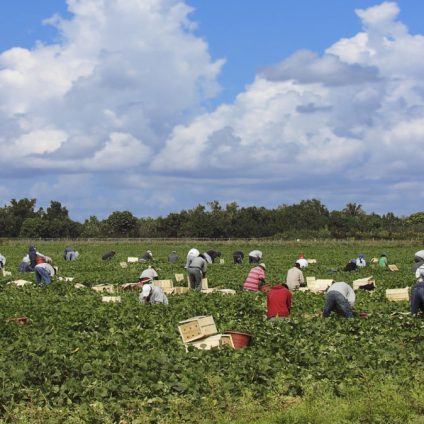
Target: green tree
121, 224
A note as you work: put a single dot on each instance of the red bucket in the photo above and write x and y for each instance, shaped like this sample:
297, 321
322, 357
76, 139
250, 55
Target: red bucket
240, 340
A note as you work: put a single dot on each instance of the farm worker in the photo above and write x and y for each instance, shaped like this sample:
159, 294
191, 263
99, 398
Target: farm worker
2, 261
360, 261
192, 253
147, 256
278, 302
36, 257
382, 262
44, 272
340, 297
238, 257
302, 261
214, 254
418, 260
196, 271
207, 258
255, 256
417, 292
295, 277
25, 265
255, 278
173, 257
69, 254
153, 295
351, 266
108, 255
150, 272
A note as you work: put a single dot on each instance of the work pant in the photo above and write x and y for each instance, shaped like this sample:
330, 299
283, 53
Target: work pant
417, 300
195, 276
335, 301
71, 256
42, 274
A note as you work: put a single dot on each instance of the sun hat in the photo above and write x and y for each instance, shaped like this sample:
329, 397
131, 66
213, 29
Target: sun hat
262, 265
147, 288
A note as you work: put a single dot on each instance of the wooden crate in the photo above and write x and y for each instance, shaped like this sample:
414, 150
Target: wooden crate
79, 286
6, 273
66, 279
217, 340
362, 282
319, 285
393, 267
20, 283
226, 291
167, 286
374, 260
397, 295
123, 264
207, 291
197, 328
111, 299
104, 288
132, 259
179, 278
180, 290
311, 261
222, 261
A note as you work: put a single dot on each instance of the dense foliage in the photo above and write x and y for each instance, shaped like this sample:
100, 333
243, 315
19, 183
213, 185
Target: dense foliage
86, 361
307, 219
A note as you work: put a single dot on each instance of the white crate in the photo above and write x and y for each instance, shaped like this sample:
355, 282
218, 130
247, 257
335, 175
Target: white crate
217, 340
123, 264
397, 295
179, 278
111, 299
393, 268
104, 288
362, 282
197, 328
132, 259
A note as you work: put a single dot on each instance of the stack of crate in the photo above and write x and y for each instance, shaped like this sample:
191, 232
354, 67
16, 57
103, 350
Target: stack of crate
201, 332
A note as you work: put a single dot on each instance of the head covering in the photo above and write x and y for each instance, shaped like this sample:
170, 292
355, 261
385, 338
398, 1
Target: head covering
145, 280
145, 292
262, 265
149, 251
420, 255
302, 256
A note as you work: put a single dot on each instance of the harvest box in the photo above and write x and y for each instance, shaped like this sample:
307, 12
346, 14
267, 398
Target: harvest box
397, 295
166, 285
217, 340
197, 328
204, 285
180, 290
104, 287
111, 299
179, 277
362, 282
132, 259
393, 267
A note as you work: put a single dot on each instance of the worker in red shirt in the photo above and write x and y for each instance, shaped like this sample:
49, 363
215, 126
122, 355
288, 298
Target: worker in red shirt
278, 302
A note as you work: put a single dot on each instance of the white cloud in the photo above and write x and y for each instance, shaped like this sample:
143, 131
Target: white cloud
114, 114
351, 116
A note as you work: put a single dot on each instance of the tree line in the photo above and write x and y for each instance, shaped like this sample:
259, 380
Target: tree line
307, 219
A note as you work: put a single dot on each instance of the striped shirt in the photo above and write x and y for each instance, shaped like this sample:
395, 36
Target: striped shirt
254, 278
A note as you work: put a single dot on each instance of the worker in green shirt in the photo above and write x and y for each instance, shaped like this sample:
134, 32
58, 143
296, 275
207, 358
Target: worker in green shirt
382, 262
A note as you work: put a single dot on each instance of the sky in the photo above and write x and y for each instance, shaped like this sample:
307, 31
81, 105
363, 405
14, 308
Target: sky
155, 106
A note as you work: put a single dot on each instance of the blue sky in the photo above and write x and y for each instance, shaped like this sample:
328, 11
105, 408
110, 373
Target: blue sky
151, 107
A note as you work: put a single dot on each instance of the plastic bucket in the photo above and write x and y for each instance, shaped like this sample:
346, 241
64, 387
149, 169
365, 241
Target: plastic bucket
240, 340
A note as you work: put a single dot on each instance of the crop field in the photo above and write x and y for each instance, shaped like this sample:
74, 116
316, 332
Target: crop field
81, 360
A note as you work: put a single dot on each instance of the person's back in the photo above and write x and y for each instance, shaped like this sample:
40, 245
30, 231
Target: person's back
417, 292
255, 277
344, 289
198, 262
192, 253
173, 257
295, 277
153, 295
278, 302
207, 258
351, 266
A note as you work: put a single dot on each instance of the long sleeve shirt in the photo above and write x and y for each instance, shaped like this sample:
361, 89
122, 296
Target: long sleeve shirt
278, 302
345, 290
200, 263
294, 278
156, 296
254, 278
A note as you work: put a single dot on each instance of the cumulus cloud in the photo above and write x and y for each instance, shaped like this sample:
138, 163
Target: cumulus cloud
351, 116
114, 113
